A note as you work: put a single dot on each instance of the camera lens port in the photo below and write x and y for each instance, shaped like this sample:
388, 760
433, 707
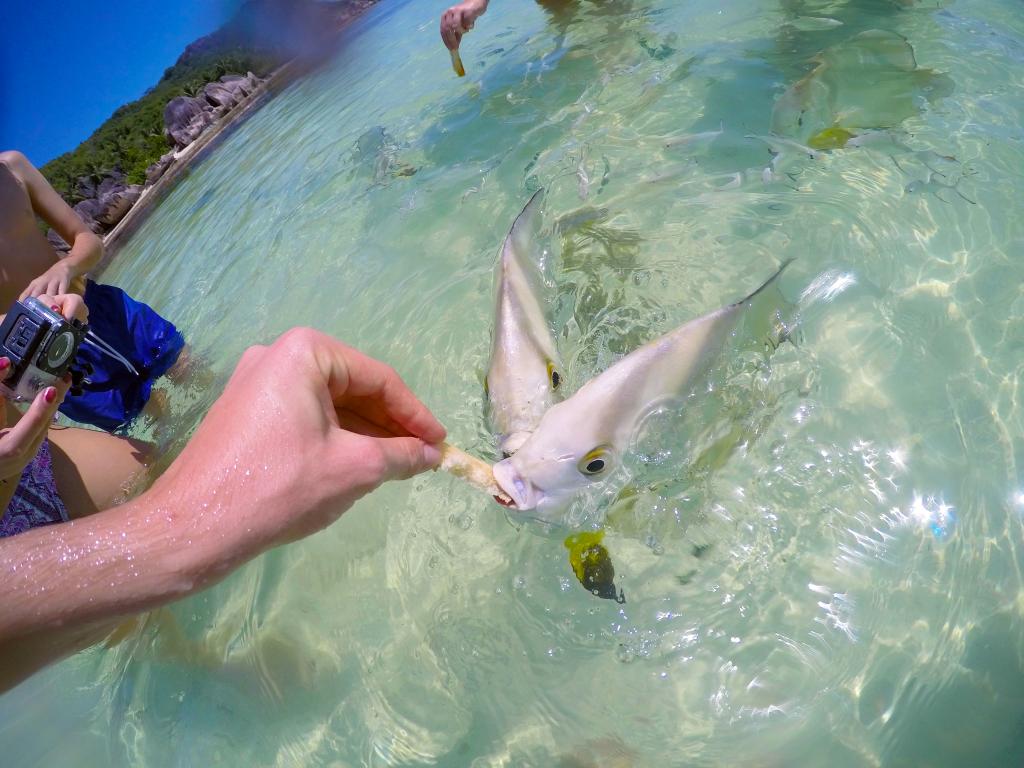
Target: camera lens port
60, 349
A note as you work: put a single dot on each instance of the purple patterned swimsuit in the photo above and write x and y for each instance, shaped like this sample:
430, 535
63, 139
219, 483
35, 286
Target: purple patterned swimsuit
36, 502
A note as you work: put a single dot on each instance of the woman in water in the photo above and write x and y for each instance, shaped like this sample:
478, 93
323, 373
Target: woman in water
52, 475
114, 394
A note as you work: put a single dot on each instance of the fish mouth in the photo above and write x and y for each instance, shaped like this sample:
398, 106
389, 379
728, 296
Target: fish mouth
520, 490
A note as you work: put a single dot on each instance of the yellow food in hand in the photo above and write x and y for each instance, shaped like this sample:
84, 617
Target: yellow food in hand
457, 63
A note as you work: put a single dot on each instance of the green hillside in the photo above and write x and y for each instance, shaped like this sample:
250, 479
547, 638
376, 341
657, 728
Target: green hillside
132, 138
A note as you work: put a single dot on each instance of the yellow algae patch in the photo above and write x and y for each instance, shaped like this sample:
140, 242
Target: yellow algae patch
830, 138
592, 565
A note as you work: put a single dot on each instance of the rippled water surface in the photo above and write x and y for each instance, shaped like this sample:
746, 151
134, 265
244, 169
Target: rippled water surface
822, 559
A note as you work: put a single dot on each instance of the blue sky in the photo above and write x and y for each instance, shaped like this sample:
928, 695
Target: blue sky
66, 65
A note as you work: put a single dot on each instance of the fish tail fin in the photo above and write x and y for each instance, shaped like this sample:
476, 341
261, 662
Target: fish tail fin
515, 249
526, 223
531, 206
769, 316
766, 283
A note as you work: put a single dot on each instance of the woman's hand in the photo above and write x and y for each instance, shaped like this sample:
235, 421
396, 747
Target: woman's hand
58, 279
20, 443
458, 20
71, 305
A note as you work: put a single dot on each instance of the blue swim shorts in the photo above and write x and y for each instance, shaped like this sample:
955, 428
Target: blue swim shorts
114, 396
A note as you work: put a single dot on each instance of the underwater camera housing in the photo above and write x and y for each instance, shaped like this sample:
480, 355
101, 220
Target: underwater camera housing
41, 345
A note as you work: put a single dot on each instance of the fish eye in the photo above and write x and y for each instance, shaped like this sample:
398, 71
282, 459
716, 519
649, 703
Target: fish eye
554, 376
594, 462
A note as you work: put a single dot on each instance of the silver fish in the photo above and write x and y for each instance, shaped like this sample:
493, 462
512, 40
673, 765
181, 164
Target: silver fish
581, 440
693, 138
525, 374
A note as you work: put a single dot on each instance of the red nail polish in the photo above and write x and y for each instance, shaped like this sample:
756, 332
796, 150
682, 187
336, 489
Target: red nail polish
5, 363
55, 308
50, 394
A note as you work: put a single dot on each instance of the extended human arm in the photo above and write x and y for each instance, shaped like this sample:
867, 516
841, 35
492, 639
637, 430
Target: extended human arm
66, 586
304, 428
86, 247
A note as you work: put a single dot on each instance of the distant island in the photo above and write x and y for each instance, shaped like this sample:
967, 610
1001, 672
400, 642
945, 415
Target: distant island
217, 79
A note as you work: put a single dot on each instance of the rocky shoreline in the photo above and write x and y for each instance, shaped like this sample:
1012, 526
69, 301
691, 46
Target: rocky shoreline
187, 119
193, 127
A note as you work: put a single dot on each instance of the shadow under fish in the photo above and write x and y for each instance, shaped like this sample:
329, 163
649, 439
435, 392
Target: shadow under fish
869, 82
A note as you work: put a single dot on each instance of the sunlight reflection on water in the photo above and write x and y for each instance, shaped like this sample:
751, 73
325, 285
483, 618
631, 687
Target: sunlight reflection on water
821, 560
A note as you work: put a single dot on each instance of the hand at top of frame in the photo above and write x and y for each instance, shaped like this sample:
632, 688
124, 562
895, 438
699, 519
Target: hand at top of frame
459, 19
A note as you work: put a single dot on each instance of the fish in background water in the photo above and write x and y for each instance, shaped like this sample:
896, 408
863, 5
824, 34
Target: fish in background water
375, 152
524, 376
582, 439
871, 81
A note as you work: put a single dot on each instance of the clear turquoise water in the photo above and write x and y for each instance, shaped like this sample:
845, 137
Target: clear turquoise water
843, 588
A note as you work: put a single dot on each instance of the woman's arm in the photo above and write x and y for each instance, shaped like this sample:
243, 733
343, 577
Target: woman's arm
86, 247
